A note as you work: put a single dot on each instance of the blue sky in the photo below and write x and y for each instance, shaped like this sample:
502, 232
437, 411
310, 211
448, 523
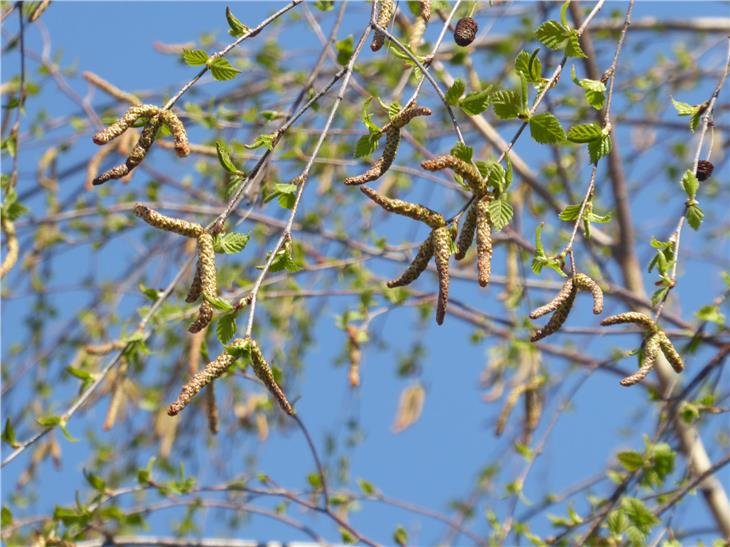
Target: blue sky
437, 459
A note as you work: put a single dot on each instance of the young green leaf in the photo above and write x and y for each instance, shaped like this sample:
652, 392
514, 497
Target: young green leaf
218, 303
463, 152
221, 69
230, 243
500, 212
600, 148
366, 145
237, 29
694, 216
546, 129
224, 157
690, 184
226, 327
454, 93
507, 104
267, 141
477, 102
573, 49
344, 49
552, 34
584, 133
194, 57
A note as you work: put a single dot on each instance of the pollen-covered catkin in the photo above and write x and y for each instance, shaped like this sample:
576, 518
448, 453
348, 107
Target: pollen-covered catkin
170, 119
465, 170
466, 236
148, 136
212, 370
419, 24
509, 405
211, 409
557, 318
196, 288
206, 266
670, 353
125, 122
631, 317
651, 350
417, 266
405, 208
11, 242
406, 115
442, 251
387, 10
585, 283
533, 400
383, 163
556, 302
169, 224
484, 241
263, 371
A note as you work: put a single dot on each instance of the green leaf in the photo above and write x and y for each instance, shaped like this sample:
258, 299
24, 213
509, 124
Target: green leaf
639, 514
694, 121
66, 433
95, 481
240, 350
600, 219
552, 34
400, 536
507, 104
477, 102
221, 69
570, 212
584, 133
684, 109
49, 421
595, 90
7, 517
237, 28
600, 148
463, 152
500, 212
694, 216
366, 487
538, 239
366, 145
194, 57
546, 129
267, 141
226, 327
346, 537
224, 157
496, 177
325, 5
454, 93
394, 109
367, 117
705, 313
218, 303
631, 460
9, 434
690, 184
230, 243
344, 49
573, 49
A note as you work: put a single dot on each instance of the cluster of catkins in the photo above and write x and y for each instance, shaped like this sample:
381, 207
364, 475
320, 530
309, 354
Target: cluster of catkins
155, 119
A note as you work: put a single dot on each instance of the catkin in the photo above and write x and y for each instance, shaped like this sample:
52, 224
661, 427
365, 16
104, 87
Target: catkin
484, 241
466, 236
354, 355
212, 370
383, 163
110, 88
263, 371
387, 10
465, 170
411, 210
442, 251
211, 409
169, 224
585, 283
392, 140
651, 350
533, 401
206, 266
11, 242
631, 317
557, 319
670, 353
125, 122
196, 288
417, 266
419, 25
556, 302
509, 405
182, 146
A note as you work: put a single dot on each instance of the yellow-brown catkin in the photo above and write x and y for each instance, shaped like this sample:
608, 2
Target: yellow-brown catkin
383, 163
195, 289
263, 371
558, 317
122, 124
11, 242
585, 283
206, 266
169, 224
212, 370
38, 10
116, 172
509, 405
387, 10
484, 241
631, 317
405, 208
110, 88
417, 266
354, 355
651, 350
465, 170
419, 24
211, 409
182, 146
442, 251
405, 116
148, 136
556, 302
533, 410
670, 353
466, 236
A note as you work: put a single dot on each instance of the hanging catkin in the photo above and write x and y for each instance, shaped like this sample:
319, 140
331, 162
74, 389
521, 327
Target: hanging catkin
169, 224
558, 317
417, 266
387, 10
125, 122
465, 170
405, 208
263, 371
466, 236
212, 370
208, 286
442, 251
484, 240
